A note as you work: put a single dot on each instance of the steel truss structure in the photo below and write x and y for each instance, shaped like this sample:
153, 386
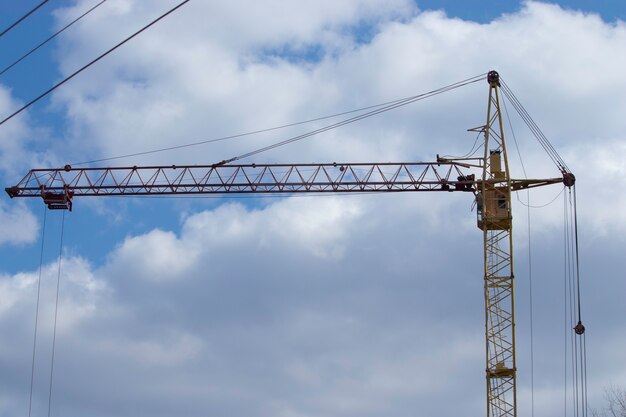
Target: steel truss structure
497, 226
488, 178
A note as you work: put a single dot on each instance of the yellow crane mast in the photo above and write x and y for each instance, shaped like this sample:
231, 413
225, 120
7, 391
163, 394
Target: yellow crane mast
496, 221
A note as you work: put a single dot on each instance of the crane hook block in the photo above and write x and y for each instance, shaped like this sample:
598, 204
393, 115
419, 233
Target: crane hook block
579, 328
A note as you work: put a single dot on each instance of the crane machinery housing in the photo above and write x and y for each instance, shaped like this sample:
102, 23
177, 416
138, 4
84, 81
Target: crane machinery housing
487, 178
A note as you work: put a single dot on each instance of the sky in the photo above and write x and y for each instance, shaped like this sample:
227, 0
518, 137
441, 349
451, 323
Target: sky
310, 306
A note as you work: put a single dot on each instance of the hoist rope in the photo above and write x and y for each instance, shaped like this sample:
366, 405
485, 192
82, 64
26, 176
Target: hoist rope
32, 370
56, 310
566, 306
574, 326
383, 109
581, 339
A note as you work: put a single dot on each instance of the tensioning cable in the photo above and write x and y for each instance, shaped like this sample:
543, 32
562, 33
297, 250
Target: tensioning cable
344, 122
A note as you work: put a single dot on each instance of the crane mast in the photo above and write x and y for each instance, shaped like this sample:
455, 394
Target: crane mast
495, 220
488, 178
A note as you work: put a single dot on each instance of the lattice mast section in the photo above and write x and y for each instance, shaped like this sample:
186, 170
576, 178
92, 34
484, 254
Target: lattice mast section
495, 220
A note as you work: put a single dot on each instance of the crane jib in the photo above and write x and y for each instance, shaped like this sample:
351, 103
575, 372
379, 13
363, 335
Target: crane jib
58, 187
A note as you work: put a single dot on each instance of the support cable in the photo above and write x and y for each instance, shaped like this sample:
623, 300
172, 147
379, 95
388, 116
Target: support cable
393, 106
543, 140
56, 311
57, 85
32, 369
21, 19
57, 33
374, 109
239, 135
531, 124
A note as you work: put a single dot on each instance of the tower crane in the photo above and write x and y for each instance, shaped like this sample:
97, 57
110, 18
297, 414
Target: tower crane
487, 178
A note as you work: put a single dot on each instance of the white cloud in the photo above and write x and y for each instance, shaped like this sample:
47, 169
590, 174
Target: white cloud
317, 306
321, 229
19, 225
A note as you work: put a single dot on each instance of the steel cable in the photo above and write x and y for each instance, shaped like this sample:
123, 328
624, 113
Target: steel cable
393, 106
239, 135
50, 38
543, 140
21, 19
56, 311
51, 89
32, 370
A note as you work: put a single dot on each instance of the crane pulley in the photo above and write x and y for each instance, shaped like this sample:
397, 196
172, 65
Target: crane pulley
488, 178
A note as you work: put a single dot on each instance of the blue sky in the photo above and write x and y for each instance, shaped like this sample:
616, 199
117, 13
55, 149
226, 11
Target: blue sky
342, 306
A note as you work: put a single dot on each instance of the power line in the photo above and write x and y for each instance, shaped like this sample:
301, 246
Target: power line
90, 64
21, 19
50, 38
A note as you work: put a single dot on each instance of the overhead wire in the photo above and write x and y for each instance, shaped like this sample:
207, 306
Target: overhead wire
51, 89
57, 33
21, 19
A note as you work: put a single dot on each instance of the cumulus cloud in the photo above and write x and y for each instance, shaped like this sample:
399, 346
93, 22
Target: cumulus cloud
255, 288
328, 306
19, 225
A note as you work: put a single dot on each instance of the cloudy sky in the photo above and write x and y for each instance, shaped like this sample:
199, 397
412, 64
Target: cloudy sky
305, 306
